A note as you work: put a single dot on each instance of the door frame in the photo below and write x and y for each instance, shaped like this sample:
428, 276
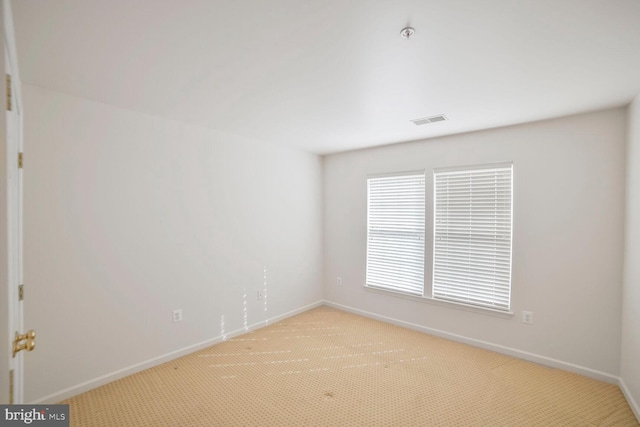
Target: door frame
12, 217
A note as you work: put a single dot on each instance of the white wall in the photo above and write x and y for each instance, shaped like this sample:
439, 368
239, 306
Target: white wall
567, 244
128, 217
630, 353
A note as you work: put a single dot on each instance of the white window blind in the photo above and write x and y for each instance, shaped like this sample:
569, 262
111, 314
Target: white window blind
395, 236
472, 236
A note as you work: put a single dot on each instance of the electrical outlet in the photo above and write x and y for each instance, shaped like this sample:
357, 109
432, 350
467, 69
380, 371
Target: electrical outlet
527, 317
260, 295
339, 281
177, 315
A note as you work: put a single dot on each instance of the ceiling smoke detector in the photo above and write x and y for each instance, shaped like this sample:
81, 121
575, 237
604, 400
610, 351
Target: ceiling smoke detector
407, 33
429, 120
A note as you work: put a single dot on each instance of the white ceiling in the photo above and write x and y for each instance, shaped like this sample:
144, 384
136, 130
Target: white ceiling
334, 75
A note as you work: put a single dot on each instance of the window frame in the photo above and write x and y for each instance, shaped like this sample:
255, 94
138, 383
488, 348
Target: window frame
427, 294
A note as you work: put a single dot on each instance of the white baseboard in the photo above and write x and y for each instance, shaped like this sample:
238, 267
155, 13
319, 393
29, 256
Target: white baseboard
531, 357
121, 373
632, 402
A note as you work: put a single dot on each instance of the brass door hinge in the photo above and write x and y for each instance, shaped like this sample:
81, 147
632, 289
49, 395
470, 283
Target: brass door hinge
9, 92
20, 160
20, 292
11, 387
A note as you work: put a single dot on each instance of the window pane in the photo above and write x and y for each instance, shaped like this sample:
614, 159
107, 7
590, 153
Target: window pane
395, 233
472, 236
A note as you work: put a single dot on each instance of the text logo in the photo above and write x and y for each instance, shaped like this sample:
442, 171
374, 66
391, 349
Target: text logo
36, 415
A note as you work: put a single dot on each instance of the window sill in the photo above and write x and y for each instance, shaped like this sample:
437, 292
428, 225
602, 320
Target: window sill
441, 303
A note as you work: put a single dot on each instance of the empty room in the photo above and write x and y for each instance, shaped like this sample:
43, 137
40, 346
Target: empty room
299, 212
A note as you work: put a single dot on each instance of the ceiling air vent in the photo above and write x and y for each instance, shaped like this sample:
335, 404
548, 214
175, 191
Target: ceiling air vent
428, 120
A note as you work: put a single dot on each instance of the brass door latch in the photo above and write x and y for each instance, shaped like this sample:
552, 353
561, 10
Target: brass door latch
29, 345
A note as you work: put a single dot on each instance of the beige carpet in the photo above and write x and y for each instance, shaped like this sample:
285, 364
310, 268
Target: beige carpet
326, 367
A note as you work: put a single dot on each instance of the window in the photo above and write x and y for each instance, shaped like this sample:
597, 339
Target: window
472, 235
395, 232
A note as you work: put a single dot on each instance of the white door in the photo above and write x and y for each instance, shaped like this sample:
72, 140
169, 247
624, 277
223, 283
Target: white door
19, 340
